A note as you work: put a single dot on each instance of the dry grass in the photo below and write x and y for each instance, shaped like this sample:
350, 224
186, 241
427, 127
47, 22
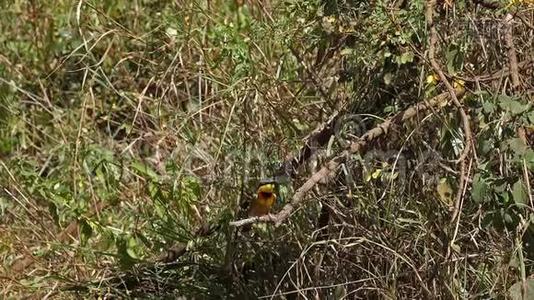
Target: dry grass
127, 127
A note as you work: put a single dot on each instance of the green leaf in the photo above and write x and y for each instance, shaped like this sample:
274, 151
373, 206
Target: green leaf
507, 218
144, 170
486, 146
480, 189
519, 193
125, 251
529, 158
511, 105
505, 197
406, 57
488, 107
86, 231
131, 248
517, 146
454, 59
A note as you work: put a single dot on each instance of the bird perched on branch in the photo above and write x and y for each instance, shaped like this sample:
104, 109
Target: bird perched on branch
264, 201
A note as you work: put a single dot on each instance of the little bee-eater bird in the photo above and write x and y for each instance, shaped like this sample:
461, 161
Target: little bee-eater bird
265, 199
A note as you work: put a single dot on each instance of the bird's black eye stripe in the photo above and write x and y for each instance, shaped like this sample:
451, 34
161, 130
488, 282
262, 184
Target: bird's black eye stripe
266, 194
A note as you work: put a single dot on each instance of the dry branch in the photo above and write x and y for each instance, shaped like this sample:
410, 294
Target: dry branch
315, 140
500, 74
433, 39
331, 166
512, 56
321, 136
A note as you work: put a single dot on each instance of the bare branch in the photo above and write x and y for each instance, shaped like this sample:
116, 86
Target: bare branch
512, 56
433, 38
330, 167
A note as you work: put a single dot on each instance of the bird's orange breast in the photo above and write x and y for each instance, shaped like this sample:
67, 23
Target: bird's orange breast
264, 201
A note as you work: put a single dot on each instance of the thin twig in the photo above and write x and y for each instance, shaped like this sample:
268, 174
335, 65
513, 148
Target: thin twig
497, 75
457, 226
330, 167
523, 137
433, 38
313, 76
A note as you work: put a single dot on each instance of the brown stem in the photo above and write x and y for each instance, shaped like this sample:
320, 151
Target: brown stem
330, 167
512, 56
433, 38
